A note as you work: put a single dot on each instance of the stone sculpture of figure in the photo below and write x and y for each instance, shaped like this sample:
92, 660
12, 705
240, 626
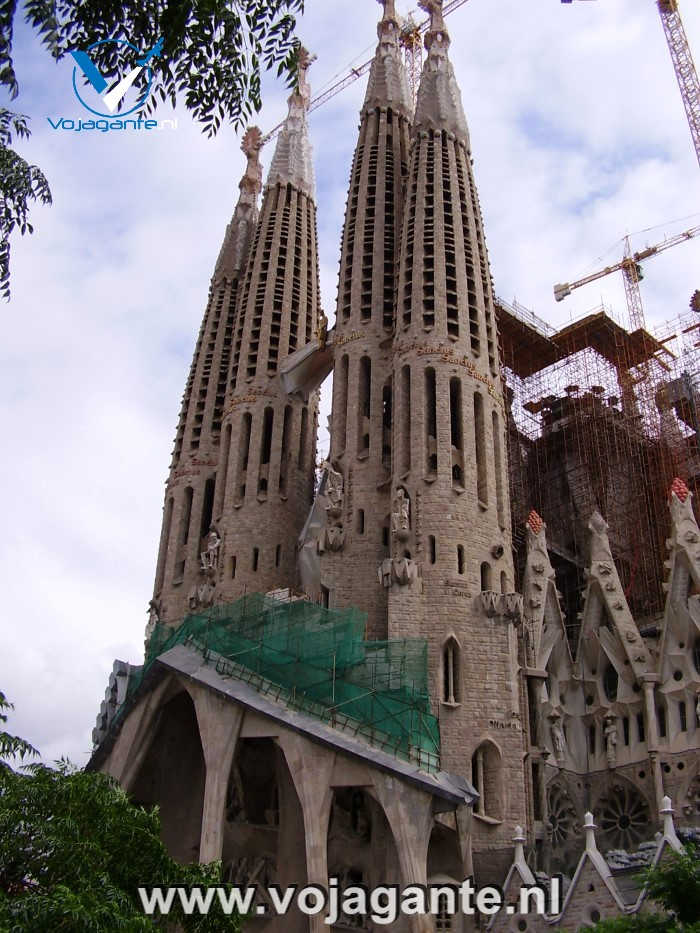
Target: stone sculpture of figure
322, 329
611, 740
334, 490
401, 514
210, 557
153, 618
558, 737
697, 707
530, 647
384, 573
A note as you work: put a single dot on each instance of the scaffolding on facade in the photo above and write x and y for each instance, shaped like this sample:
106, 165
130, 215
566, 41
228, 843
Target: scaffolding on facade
316, 660
603, 418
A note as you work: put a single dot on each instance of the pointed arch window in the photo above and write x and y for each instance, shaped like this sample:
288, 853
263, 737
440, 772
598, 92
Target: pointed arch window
451, 684
487, 778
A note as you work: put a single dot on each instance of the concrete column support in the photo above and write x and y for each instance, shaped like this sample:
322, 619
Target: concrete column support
410, 816
311, 767
219, 727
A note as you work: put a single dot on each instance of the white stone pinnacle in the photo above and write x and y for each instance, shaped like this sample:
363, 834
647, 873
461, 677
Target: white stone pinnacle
388, 83
439, 106
292, 162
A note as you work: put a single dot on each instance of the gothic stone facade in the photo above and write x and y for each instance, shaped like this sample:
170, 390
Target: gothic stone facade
411, 523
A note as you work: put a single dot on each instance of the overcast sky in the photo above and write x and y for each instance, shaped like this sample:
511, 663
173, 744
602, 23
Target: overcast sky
578, 135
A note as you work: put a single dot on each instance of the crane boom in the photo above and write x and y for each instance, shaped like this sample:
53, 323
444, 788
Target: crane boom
683, 65
563, 289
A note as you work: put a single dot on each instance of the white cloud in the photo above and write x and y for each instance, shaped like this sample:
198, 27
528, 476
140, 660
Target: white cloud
578, 136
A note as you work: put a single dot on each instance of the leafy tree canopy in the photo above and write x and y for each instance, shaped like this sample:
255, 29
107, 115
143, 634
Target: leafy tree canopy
74, 851
211, 58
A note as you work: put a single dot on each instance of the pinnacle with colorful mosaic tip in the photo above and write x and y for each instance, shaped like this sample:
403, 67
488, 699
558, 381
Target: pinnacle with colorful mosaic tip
234, 249
534, 522
439, 105
388, 83
679, 489
292, 162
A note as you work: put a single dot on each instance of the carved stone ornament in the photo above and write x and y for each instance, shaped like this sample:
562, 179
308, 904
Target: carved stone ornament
490, 603
335, 538
538, 568
512, 606
405, 570
201, 596
605, 569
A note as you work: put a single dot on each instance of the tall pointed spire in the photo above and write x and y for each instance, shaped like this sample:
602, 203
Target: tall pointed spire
234, 249
388, 83
361, 437
439, 105
292, 162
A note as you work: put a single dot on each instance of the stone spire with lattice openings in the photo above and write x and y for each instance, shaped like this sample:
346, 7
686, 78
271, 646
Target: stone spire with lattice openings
269, 439
358, 537
189, 499
451, 577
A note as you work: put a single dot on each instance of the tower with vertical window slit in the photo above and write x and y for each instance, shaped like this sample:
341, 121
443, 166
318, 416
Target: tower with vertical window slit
361, 434
235, 506
450, 530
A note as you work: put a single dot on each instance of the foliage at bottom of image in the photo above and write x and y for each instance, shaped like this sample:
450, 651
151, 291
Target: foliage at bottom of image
74, 851
673, 889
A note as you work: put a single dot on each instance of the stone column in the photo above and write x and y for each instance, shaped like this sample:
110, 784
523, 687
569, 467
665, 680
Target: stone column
410, 815
311, 767
219, 726
649, 682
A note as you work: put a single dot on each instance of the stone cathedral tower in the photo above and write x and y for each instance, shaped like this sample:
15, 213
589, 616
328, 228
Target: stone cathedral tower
361, 436
241, 480
450, 527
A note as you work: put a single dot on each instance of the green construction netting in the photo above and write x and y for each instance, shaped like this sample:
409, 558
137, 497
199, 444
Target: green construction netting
316, 660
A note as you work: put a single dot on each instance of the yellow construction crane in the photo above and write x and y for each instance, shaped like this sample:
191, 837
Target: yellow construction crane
683, 65
631, 274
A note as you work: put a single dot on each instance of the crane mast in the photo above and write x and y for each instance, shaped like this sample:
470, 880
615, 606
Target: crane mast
683, 65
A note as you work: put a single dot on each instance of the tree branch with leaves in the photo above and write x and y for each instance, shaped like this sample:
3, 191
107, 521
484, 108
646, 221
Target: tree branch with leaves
212, 57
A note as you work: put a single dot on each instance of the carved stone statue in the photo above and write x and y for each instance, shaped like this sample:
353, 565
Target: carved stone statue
401, 514
558, 737
335, 537
153, 617
334, 490
210, 557
384, 573
530, 643
611, 740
